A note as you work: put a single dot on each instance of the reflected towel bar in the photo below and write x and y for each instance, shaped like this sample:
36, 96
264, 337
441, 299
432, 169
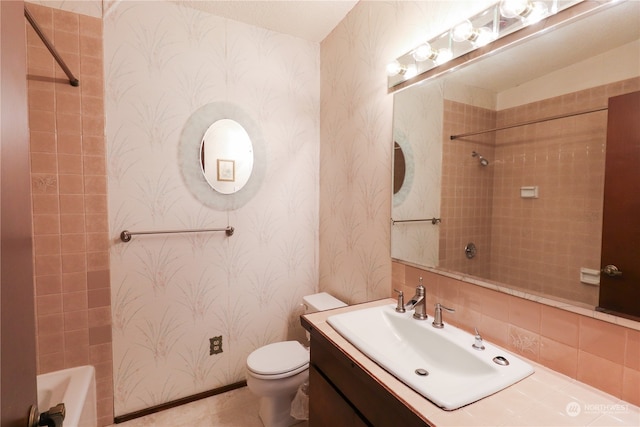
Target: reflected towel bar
433, 221
73, 81
530, 122
125, 236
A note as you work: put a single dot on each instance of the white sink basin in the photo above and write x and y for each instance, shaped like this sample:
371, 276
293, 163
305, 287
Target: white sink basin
457, 373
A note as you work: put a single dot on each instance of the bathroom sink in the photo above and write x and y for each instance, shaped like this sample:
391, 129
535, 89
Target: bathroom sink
440, 364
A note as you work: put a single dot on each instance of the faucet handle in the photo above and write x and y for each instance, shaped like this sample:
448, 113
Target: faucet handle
477, 344
400, 307
437, 315
440, 306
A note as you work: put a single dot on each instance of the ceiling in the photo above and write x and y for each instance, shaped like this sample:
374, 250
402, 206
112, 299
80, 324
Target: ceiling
311, 20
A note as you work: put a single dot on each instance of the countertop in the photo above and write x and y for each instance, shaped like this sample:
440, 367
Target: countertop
545, 398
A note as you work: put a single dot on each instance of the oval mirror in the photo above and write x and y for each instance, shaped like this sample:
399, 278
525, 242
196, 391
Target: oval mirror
226, 156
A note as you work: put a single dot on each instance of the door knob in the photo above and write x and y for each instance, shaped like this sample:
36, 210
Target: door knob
612, 271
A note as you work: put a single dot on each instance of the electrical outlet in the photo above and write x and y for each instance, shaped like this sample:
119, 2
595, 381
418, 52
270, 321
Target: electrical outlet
215, 345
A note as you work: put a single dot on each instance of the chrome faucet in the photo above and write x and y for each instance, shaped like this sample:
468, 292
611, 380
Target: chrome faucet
418, 303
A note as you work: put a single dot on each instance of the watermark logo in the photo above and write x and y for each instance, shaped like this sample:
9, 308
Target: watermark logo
573, 409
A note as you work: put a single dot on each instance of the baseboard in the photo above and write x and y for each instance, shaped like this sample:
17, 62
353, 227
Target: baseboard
178, 402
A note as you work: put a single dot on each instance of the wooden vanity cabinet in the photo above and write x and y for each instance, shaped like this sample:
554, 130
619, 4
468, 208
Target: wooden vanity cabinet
342, 393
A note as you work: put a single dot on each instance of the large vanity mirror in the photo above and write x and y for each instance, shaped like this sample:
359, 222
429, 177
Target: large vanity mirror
509, 154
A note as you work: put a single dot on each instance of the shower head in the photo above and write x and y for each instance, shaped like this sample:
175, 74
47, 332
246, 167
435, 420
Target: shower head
482, 160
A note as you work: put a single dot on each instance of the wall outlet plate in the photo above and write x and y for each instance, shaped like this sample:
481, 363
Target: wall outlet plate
215, 345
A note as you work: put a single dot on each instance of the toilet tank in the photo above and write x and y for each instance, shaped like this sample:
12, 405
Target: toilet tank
320, 302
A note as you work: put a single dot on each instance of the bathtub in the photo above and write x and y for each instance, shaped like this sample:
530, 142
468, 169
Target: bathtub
76, 388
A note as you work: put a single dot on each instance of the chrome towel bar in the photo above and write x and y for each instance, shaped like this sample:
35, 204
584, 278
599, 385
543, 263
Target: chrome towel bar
125, 236
433, 221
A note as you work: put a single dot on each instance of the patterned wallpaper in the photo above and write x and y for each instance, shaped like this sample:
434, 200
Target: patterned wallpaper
171, 294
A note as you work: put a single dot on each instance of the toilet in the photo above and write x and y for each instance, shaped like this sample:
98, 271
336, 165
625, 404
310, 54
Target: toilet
275, 371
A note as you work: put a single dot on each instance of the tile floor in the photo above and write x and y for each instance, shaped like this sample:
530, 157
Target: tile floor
236, 408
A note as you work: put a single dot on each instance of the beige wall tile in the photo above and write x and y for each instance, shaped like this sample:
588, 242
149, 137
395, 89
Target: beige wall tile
559, 325
600, 373
602, 339
631, 386
560, 357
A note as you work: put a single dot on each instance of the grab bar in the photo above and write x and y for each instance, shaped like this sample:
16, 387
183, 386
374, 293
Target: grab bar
125, 236
433, 221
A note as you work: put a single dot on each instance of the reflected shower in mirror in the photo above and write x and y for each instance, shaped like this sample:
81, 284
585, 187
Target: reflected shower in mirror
522, 183
482, 160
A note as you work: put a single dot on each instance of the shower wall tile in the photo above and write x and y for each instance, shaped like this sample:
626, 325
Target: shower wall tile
46, 285
558, 233
74, 282
467, 193
538, 245
69, 189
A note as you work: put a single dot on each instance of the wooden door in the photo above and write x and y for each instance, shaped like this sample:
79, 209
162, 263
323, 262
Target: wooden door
620, 293
17, 321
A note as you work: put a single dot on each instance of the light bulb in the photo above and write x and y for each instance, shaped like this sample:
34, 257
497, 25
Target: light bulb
463, 31
394, 68
514, 8
422, 52
483, 36
538, 11
411, 71
443, 55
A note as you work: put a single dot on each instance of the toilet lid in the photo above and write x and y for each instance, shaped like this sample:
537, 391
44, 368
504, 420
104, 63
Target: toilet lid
278, 358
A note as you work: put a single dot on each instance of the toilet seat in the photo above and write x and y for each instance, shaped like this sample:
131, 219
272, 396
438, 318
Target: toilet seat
278, 360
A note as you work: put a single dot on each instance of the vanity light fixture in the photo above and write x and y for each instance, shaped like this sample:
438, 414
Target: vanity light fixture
498, 20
